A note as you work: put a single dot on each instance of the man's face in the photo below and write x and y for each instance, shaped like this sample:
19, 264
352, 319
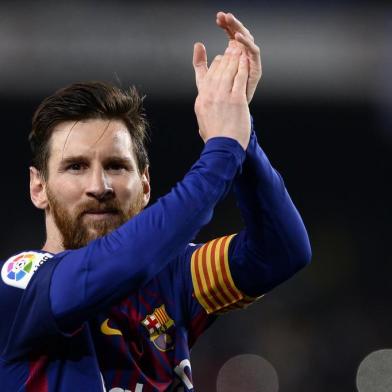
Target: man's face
93, 184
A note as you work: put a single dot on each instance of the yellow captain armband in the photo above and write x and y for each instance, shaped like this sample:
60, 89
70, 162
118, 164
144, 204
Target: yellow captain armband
212, 281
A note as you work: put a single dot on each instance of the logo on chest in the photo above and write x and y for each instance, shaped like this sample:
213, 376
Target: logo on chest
158, 323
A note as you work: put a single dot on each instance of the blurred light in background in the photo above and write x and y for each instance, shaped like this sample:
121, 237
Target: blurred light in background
375, 372
325, 50
247, 372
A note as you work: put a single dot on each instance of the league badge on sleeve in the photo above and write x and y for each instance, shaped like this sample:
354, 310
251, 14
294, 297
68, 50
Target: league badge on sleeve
18, 270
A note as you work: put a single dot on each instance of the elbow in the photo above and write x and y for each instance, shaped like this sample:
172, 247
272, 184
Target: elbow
289, 265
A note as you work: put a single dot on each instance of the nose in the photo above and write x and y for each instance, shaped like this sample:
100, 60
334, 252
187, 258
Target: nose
99, 185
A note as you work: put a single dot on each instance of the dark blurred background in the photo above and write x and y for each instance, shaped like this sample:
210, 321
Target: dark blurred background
323, 114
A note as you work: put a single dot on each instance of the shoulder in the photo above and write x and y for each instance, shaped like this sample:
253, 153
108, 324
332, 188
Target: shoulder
18, 269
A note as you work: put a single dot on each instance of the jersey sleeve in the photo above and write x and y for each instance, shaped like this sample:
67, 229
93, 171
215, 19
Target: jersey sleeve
274, 244
233, 271
27, 317
213, 283
77, 284
208, 285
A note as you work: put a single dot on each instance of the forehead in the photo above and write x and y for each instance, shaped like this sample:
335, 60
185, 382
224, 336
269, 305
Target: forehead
96, 137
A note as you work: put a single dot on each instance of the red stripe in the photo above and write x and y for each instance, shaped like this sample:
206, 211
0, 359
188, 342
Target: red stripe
161, 316
197, 273
201, 265
118, 374
215, 273
133, 373
37, 380
224, 272
164, 315
116, 314
198, 277
205, 270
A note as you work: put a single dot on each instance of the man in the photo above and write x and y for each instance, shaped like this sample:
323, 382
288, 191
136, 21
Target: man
117, 295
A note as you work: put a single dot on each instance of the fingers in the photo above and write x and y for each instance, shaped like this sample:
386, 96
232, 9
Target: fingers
253, 51
229, 73
226, 72
240, 34
216, 70
199, 62
232, 25
241, 78
214, 67
243, 39
220, 76
221, 22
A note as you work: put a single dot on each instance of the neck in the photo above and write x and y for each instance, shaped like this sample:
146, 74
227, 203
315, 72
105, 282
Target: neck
53, 243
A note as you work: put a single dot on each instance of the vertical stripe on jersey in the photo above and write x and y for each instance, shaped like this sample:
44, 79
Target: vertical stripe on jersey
37, 380
214, 286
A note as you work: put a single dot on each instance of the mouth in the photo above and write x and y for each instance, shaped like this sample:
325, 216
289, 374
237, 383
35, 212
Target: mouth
100, 214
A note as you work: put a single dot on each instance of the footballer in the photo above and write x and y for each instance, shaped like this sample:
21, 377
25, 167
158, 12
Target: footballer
118, 294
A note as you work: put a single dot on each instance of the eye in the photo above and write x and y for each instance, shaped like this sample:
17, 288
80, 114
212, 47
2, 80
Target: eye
115, 167
118, 166
76, 167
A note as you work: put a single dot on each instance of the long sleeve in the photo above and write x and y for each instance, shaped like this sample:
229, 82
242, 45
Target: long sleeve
70, 287
274, 245
230, 272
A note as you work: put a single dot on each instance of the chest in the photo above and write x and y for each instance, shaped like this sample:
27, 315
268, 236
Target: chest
142, 339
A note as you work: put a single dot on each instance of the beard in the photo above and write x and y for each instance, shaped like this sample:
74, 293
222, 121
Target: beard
74, 228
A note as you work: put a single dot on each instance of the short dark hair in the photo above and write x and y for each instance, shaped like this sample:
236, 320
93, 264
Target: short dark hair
85, 101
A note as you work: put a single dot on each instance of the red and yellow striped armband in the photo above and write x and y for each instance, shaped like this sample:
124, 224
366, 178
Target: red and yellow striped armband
211, 277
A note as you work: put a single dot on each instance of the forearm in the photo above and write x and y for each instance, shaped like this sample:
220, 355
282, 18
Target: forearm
127, 258
275, 243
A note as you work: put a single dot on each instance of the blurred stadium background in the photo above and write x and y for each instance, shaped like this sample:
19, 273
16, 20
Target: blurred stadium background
323, 113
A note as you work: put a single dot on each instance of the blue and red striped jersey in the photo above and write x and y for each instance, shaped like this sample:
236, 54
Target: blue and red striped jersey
122, 313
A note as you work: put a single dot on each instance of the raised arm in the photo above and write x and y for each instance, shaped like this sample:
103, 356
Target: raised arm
78, 283
74, 285
275, 244
232, 271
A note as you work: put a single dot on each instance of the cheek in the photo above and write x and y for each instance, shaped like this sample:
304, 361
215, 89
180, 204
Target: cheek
66, 192
128, 192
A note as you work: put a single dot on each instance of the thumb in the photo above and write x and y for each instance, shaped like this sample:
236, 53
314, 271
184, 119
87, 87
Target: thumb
199, 62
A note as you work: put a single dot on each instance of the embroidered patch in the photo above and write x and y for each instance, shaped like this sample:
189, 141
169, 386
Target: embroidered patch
18, 270
157, 324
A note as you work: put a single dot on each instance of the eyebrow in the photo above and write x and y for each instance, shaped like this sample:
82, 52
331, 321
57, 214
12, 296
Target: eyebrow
72, 159
119, 160
81, 158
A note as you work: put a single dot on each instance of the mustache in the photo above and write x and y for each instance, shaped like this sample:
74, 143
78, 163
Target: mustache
95, 207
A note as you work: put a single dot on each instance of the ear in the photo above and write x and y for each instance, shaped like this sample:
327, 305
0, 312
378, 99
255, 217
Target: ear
38, 189
145, 178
